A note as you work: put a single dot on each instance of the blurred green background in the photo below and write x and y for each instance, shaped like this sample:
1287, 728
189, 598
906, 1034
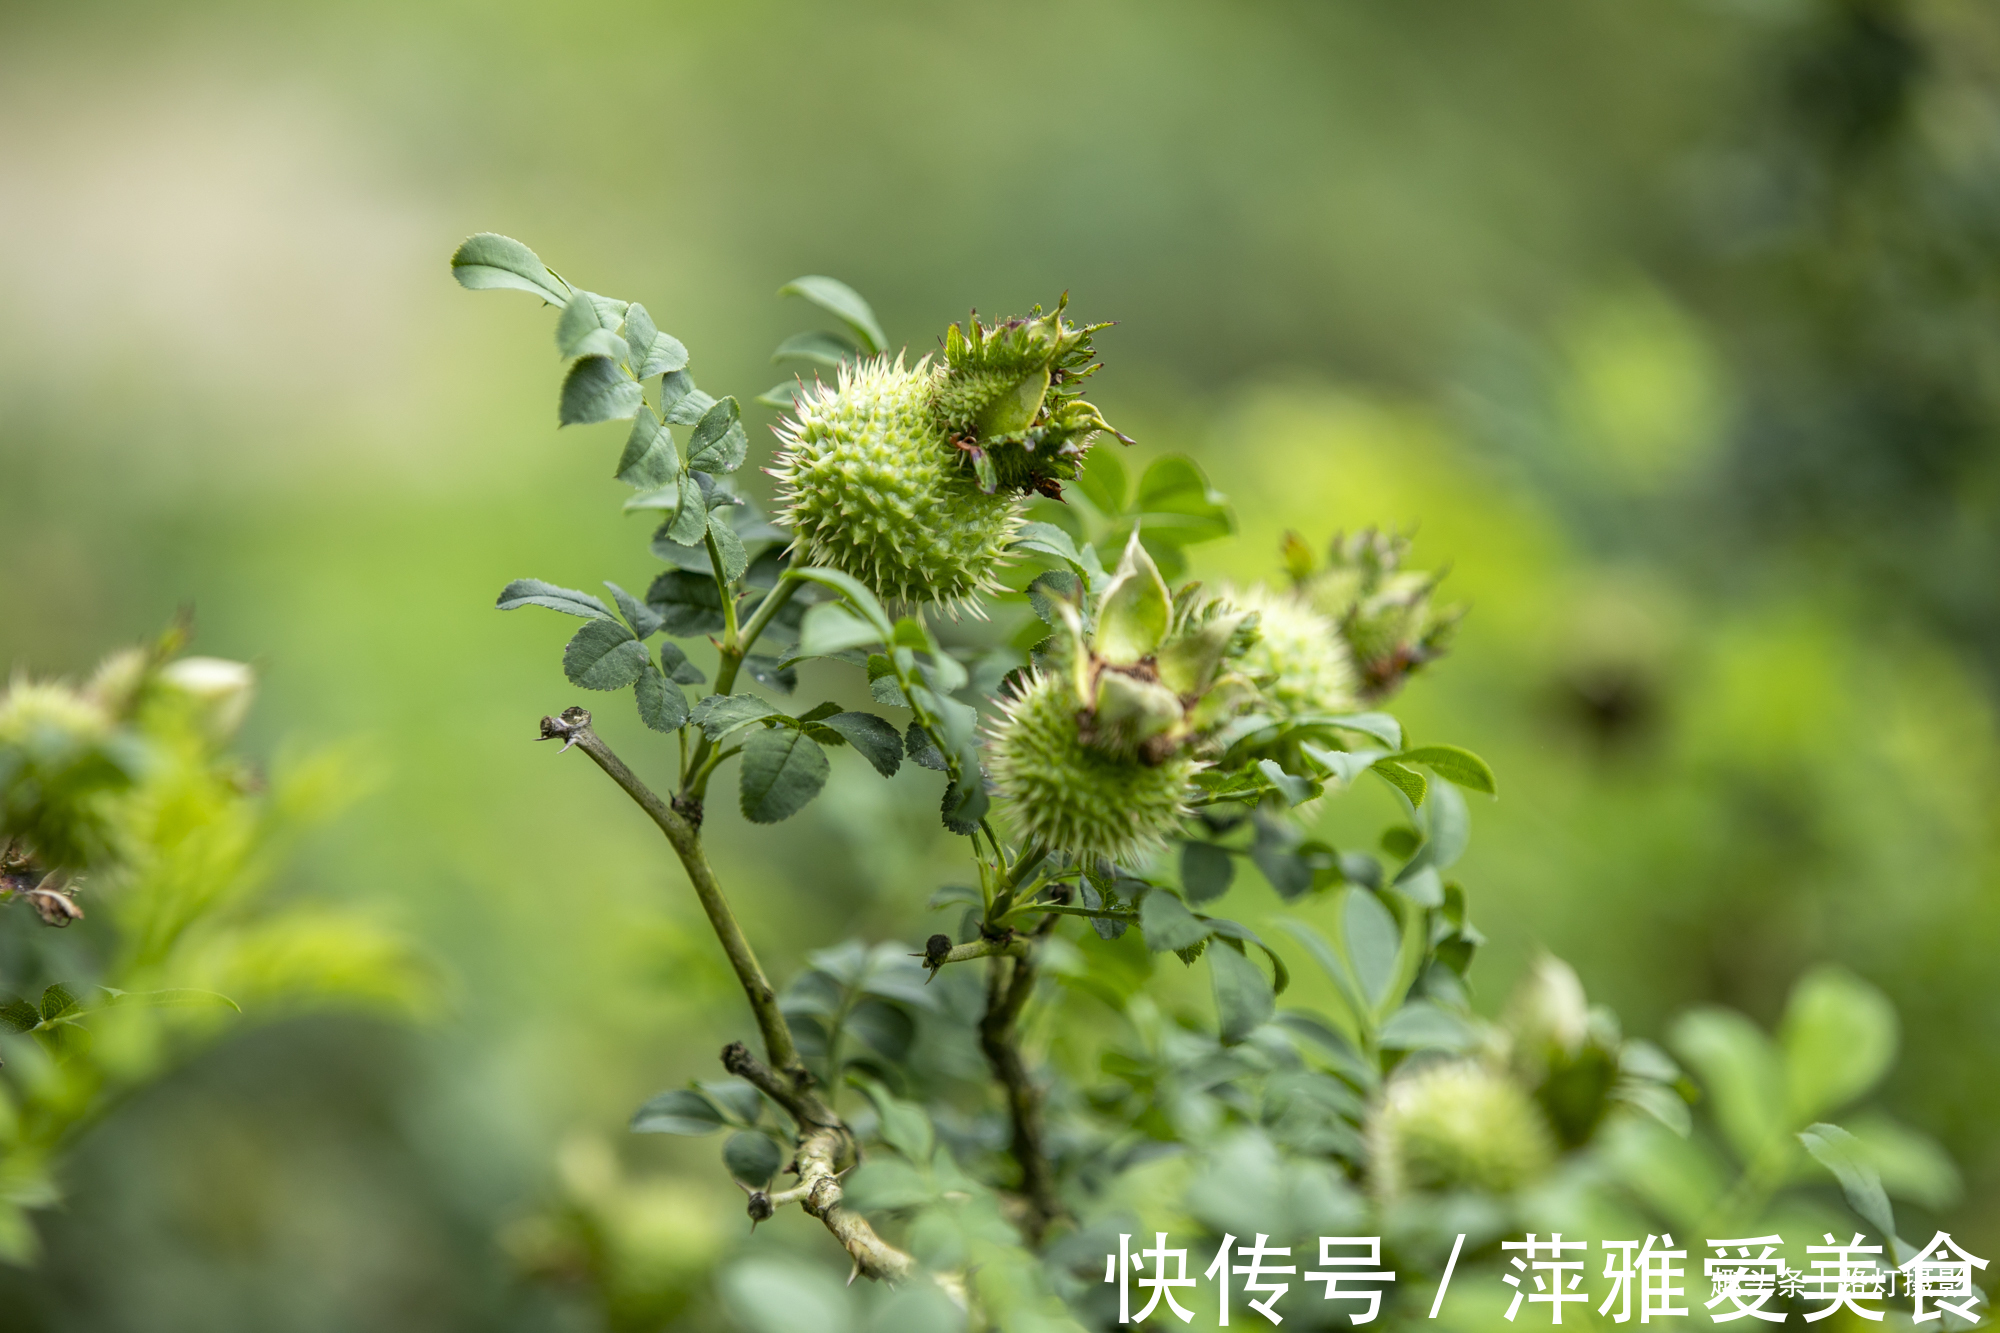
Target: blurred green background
1671, 324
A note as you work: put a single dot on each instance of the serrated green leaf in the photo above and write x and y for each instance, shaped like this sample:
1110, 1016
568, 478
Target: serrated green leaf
720, 714
534, 592
589, 326
604, 656
1048, 539
488, 261
689, 603
728, 546
679, 670
819, 347
719, 443
752, 1158
645, 621
662, 706
653, 352
782, 770
844, 304
690, 521
686, 408
1167, 924
19, 1015
874, 738
1405, 780
651, 460
682, 1111
597, 389
1453, 764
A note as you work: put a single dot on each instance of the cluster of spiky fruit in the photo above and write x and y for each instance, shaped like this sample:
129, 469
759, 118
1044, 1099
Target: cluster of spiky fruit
1095, 752
910, 478
1299, 663
1456, 1125
1384, 612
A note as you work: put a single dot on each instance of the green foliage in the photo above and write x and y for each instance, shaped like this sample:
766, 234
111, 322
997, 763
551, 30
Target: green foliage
121, 796
1148, 736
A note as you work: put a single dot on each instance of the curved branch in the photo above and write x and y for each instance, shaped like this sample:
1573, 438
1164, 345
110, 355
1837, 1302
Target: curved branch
826, 1146
826, 1150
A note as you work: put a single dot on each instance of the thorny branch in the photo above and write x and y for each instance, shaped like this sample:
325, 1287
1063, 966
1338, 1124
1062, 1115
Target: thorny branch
1010, 982
826, 1146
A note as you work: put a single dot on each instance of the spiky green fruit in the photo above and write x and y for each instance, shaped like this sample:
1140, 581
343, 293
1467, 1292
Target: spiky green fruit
1386, 613
1068, 794
1012, 400
1456, 1125
1299, 662
1095, 754
870, 485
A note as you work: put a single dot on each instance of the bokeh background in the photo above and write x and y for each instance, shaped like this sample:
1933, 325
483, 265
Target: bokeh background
1671, 325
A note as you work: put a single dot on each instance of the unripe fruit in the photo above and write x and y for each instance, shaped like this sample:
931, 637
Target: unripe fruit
1386, 613
1299, 662
1456, 1125
1012, 399
870, 485
1075, 797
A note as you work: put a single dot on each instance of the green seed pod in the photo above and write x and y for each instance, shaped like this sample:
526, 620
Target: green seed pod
870, 485
1094, 756
1299, 662
1456, 1125
1011, 399
1074, 796
1384, 611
